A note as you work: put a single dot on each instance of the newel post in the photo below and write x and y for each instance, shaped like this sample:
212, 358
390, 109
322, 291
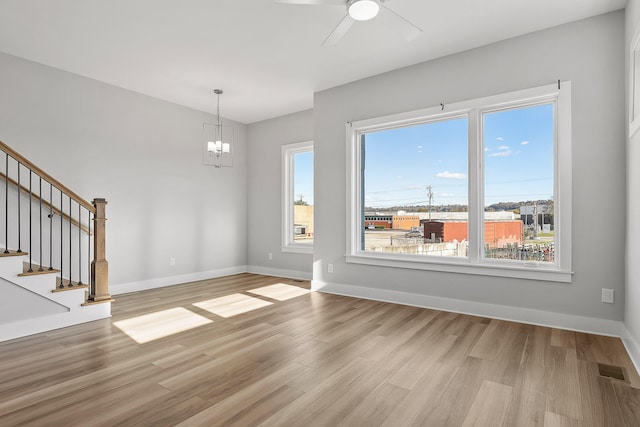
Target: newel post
99, 266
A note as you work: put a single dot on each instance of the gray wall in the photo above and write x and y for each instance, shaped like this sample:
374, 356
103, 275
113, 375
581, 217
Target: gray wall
632, 296
144, 156
266, 139
590, 54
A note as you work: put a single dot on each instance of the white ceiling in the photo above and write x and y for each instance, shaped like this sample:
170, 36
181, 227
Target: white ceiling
265, 56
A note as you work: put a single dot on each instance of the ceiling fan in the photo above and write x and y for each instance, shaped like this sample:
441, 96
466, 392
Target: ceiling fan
362, 10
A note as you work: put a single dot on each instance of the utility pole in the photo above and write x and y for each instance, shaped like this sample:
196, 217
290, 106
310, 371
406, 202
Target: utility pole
430, 194
535, 220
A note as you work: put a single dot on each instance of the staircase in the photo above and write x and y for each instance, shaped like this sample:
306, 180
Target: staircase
53, 271
38, 305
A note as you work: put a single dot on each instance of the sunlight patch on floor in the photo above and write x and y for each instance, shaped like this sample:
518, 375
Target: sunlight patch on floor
160, 324
232, 305
280, 291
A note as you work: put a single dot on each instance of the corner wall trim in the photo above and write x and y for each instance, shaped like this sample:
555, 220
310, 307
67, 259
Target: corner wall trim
161, 282
494, 311
632, 346
280, 272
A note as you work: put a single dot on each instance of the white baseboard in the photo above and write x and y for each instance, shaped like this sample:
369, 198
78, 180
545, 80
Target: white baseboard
161, 282
633, 347
280, 272
494, 311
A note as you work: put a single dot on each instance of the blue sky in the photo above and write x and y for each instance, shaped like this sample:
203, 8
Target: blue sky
303, 176
401, 163
518, 154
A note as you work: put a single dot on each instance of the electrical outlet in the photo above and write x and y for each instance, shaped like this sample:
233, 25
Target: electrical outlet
172, 261
607, 295
330, 268
270, 256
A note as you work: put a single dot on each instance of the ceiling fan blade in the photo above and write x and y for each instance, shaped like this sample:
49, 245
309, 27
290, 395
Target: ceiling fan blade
327, 2
338, 32
398, 24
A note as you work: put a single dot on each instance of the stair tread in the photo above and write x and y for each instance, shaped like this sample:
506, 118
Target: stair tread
65, 285
36, 270
12, 253
70, 288
91, 302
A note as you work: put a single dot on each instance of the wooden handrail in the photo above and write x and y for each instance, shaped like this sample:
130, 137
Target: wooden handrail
51, 180
46, 204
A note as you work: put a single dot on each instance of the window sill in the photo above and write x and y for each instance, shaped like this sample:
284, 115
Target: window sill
530, 271
300, 248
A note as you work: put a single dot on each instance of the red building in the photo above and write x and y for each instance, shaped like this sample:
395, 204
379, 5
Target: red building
496, 233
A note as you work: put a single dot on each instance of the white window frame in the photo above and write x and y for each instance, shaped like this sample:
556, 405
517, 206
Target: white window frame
475, 263
288, 154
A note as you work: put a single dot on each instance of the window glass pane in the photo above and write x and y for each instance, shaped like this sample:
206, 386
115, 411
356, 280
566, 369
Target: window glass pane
303, 197
519, 184
415, 189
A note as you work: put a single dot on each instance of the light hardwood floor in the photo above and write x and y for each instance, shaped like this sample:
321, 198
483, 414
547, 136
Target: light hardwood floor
281, 356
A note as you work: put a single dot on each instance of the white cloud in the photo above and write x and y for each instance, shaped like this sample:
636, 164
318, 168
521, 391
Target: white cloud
499, 138
501, 153
503, 147
486, 148
399, 177
453, 175
419, 147
524, 143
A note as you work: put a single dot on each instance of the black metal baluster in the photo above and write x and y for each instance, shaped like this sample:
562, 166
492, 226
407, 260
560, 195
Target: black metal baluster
30, 225
61, 242
79, 244
41, 261
50, 226
19, 215
70, 252
6, 204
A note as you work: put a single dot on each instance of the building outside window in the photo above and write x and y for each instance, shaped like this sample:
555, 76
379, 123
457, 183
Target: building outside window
297, 209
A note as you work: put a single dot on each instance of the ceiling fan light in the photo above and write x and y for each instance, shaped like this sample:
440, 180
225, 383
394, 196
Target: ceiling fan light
363, 10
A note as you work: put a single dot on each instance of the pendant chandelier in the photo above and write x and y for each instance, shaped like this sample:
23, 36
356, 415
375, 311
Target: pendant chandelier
217, 140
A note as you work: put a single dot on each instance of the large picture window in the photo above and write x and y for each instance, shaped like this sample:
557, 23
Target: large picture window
297, 179
481, 186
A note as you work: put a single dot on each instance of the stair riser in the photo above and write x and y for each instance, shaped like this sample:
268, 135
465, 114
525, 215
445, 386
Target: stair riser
10, 266
72, 298
37, 325
41, 284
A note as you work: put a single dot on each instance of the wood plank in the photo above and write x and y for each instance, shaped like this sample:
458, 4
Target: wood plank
423, 398
456, 400
629, 403
563, 385
529, 397
590, 392
490, 406
376, 407
551, 419
562, 338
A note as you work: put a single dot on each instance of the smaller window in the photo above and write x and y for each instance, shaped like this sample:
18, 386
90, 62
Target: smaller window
297, 191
